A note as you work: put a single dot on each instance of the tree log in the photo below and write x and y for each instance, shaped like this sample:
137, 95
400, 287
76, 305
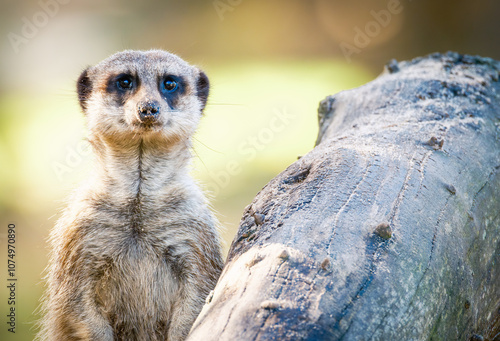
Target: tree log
389, 229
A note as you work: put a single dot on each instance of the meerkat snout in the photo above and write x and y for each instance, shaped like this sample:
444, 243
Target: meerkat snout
148, 111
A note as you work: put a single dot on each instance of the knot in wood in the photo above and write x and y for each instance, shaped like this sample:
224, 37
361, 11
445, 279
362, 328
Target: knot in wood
384, 231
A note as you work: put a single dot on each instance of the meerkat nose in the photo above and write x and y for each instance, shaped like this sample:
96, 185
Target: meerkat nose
148, 111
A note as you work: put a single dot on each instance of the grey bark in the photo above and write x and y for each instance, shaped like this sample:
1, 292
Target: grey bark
389, 229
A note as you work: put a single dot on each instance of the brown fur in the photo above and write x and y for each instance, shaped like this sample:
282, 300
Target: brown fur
137, 251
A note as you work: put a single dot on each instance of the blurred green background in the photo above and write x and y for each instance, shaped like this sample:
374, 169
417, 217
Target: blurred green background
269, 62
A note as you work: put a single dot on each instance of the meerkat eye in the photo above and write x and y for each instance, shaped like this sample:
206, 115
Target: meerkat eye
170, 84
125, 82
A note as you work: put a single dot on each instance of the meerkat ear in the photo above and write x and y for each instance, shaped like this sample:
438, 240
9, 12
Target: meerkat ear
202, 88
84, 88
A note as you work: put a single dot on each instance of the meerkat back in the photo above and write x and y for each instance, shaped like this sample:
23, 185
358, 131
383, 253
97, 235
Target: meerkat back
136, 251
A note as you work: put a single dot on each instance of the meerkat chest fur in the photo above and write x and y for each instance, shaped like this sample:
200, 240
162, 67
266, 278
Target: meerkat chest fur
137, 251
145, 229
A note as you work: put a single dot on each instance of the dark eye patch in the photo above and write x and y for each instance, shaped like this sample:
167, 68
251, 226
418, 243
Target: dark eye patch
121, 86
171, 88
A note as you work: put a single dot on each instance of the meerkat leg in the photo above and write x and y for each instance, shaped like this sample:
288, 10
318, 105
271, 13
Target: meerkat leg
185, 311
72, 328
82, 322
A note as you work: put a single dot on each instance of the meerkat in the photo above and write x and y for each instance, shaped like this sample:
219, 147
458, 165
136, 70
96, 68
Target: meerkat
137, 251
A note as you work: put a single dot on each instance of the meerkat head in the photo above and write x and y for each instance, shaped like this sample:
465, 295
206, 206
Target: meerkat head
143, 94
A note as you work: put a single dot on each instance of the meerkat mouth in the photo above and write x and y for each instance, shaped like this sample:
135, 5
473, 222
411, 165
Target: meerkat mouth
148, 120
148, 123
147, 126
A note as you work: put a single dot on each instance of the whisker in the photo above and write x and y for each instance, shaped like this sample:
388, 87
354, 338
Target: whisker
204, 145
228, 104
201, 160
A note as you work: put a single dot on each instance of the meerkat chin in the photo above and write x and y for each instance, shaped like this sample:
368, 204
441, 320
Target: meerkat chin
137, 251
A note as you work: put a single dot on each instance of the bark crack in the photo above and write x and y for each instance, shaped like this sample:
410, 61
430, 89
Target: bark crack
373, 264
403, 189
421, 169
277, 297
496, 169
342, 208
431, 253
234, 306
